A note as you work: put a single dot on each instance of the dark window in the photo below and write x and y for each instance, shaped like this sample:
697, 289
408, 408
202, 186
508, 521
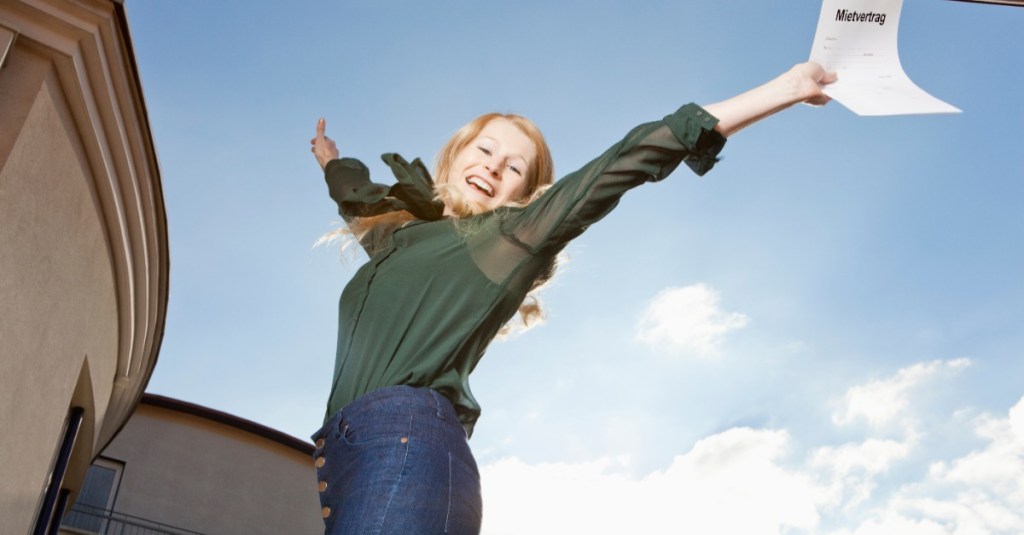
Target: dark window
96, 498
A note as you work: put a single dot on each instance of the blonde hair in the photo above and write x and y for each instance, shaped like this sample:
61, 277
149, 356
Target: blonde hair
539, 176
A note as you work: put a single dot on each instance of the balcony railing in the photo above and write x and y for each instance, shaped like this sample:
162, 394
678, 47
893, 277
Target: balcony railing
87, 519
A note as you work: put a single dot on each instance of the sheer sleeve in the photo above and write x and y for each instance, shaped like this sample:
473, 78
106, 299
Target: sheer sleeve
648, 153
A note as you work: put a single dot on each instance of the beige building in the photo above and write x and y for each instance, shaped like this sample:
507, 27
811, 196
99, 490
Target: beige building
83, 248
178, 468
83, 297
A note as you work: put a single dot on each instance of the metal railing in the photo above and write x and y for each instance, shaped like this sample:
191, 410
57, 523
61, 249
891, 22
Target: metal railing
88, 519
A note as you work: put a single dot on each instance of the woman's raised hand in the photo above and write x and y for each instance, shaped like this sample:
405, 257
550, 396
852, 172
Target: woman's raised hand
809, 79
323, 147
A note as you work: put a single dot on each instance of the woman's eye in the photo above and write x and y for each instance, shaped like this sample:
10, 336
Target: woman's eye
515, 170
485, 150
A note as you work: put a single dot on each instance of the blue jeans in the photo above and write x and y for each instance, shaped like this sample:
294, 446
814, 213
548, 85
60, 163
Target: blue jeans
396, 461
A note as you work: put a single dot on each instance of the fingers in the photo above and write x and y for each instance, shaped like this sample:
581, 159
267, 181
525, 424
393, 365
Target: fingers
818, 101
321, 128
823, 99
819, 74
323, 147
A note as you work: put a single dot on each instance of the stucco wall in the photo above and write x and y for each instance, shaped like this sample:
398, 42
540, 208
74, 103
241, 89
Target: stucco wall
57, 296
206, 476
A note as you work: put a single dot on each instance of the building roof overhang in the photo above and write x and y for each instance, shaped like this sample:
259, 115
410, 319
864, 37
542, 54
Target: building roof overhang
231, 420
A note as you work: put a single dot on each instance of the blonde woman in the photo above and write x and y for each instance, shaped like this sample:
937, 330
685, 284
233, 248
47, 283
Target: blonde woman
451, 262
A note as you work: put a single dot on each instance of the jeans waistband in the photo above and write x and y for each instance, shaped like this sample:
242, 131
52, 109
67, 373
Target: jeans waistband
420, 399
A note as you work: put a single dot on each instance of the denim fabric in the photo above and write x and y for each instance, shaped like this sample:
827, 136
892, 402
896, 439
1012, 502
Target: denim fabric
396, 461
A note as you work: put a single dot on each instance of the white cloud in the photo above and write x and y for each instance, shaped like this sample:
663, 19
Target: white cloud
852, 468
993, 477
896, 525
981, 493
1000, 466
687, 320
730, 482
746, 481
884, 402
873, 456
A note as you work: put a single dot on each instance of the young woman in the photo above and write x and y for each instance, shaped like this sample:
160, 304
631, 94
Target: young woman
450, 264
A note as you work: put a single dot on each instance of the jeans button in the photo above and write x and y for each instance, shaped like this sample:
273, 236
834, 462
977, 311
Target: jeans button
319, 443
322, 486
325, 512
320, 462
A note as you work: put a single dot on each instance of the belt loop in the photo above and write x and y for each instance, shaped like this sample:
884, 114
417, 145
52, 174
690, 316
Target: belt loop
339, 418
438, 400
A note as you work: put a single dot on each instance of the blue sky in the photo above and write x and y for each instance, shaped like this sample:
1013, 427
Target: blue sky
822, 335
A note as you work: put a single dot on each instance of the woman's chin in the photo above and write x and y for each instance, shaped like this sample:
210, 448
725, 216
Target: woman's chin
463, 204
476, 207
478, 198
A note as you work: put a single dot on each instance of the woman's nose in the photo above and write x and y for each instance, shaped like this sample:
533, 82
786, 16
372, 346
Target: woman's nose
493, 165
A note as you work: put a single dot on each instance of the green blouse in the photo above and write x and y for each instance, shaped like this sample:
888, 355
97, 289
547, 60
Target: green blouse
433, 295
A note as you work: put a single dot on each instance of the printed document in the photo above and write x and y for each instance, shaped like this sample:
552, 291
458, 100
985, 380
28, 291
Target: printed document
857, 39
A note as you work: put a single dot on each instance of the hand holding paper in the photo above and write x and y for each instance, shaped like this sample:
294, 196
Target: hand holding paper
857, 39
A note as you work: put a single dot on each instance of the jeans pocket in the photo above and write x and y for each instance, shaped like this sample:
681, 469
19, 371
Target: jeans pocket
465, 506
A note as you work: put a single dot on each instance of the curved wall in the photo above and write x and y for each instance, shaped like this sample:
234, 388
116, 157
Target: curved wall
83, 242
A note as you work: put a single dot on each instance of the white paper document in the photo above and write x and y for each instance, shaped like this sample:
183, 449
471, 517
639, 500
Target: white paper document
857, 39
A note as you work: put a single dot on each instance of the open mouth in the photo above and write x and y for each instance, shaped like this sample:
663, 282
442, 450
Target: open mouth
479, 184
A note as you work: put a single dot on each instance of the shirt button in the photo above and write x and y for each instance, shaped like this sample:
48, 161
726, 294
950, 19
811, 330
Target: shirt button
319, 443
404, 440
325, 512
323, 486
320, 462
699, 113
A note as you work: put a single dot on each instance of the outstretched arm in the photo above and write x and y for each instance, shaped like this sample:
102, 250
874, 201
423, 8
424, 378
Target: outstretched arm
802, 83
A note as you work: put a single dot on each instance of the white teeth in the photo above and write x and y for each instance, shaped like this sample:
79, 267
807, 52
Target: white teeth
482, 185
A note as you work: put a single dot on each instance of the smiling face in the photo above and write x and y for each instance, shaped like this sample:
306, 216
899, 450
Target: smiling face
493, 168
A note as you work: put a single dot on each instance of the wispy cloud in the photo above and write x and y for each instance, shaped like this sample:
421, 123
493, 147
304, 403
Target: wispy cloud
851, 469
687, 320
981, 492
750, 481
884, 402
